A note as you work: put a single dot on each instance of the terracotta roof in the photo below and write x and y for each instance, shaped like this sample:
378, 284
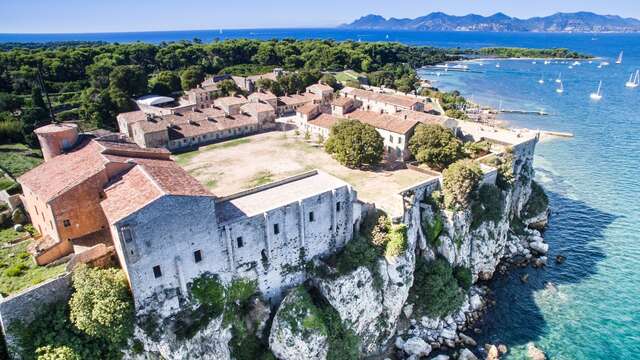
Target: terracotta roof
398, 100
55, 176
52, 128
324, 121
146, 182
383, 121
421, 117
132, 116
132, 150
342, 101
230, 100
319, 88
269, 75
260, 95
257, 107
307, 108
297, 99
205, 126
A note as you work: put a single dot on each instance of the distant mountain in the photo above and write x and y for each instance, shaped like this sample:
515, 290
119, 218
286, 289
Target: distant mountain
560, 22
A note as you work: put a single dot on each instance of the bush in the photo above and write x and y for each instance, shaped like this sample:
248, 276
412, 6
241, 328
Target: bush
463, 276
241, 290
397, 240
57, 353
505, 177
435, 146
488, 206
435, 290
16, 270
476, 149
358, 252
459, 182
538, 201
433, 230
101, 304
207, 291
355, 144
380, 232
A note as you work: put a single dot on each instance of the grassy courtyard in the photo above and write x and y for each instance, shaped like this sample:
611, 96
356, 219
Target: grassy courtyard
235, 165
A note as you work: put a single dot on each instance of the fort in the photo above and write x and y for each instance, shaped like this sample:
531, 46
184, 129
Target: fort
168, 219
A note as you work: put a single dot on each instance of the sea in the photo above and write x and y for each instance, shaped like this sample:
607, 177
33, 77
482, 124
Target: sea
589, 306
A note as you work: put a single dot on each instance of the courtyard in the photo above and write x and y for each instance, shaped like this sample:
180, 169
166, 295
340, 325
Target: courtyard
229, 167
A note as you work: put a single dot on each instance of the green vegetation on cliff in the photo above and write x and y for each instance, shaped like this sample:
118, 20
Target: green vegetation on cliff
436, 292
512, 52
460, 181
538, 201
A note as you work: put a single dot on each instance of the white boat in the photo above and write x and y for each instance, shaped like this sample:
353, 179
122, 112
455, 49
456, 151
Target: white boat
560, 89
590, 62
619, 59
533, 62
570, 66
498, 65
547, 62
634, 80
604, 63
598, 94
559, 79
576, 63
541, 81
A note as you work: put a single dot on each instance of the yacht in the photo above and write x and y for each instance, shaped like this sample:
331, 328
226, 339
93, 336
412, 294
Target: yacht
498, 65
560, 89
541, 81
598, 94
634, 80
619, 59
559, 79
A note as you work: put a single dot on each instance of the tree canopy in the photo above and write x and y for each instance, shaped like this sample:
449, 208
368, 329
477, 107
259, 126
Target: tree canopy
435, 146
355, 144
459, 182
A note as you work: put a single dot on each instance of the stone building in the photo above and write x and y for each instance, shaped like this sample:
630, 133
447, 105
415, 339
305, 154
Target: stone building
342, 105
382, 102
230, 104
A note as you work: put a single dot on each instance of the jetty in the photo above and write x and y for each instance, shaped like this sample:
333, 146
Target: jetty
557, 133
524, 112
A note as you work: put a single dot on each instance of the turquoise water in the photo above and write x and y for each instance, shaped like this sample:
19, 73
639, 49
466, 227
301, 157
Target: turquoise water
592, 310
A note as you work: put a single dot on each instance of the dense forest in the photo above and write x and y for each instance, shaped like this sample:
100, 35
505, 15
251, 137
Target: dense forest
93, 82
506, 52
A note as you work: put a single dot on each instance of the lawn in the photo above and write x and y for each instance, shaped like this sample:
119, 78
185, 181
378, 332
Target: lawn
19, 271
8, 235
347, 75
17, 159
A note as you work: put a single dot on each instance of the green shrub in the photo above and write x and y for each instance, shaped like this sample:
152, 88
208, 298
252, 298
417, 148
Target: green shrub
358, 252
380, 232
101, 304
16, 269
301, 314
460, 180
435, 146
504, 164
435, 290
397, 240
355, 144
207, 291
463, 276
240, 290
487, 206
57, 353
476, 149
433, 230
538, 201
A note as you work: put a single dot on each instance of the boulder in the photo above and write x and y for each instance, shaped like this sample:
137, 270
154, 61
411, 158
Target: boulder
466, 354
399, 342
560, 259
448, 334
539, 247
18, 216
416, 347
18, 227
475, 302
492, 352
534, 353
290, 339
441, 357
502, 348
467, 340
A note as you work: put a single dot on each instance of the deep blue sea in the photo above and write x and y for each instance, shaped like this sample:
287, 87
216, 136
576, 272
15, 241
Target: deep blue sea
588, 307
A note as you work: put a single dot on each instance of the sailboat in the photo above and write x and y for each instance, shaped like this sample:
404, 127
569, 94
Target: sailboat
559, 79
619, 60
498, 65
560, 89
598, 94
541, 81
634, 80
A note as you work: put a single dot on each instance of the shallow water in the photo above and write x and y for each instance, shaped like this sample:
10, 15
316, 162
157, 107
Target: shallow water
592, 310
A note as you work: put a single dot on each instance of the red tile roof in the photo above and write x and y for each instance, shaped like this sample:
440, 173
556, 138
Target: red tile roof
342, 101
298, 99
324, 121
383, 121
398, 100
307, 108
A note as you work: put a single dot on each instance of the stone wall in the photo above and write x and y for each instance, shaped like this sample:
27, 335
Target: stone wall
26, 304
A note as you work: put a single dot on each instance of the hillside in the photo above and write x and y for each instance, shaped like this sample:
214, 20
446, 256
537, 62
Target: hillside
560, 22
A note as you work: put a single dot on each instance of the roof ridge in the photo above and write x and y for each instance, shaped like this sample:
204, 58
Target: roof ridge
144, 171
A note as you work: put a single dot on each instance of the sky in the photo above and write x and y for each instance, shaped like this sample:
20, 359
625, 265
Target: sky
83, 16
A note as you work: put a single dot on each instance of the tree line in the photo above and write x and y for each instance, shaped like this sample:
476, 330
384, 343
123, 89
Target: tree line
93, 82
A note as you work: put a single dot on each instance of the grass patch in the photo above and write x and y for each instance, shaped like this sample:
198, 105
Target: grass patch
17, 159
19, 271
261, 178
9, 235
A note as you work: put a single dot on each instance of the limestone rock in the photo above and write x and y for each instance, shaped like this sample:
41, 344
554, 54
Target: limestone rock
417, 347
441, 357
534, 353
539, 247
467, 340
466, 354
290, 339
492, 352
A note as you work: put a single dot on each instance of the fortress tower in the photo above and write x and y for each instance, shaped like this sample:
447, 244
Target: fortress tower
56, 138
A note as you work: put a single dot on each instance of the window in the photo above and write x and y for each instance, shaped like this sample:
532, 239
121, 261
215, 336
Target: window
338, 206
276, 229
197, 256
157, 272
399, 140
311, 217
126, 234
391, 139
240, 242
66, 223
